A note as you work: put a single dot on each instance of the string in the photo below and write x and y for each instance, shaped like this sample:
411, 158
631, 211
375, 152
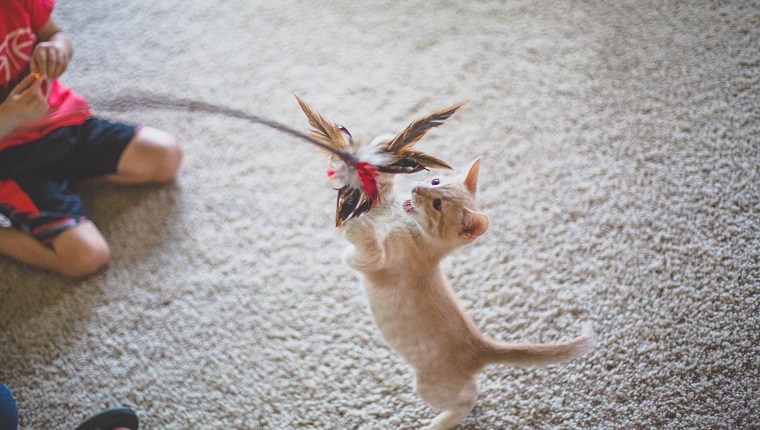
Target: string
165, 102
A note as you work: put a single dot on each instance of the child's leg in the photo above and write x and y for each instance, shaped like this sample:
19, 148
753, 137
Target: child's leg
151, 156
104, 151
78, 251
50, 227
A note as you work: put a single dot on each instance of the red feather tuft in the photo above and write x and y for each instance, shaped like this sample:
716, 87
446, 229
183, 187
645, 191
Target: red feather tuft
368, 175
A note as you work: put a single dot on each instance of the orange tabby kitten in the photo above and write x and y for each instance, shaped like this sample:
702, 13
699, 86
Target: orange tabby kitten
397, 247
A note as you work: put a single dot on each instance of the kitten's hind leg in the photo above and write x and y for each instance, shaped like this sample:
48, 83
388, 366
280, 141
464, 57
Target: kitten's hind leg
455, 400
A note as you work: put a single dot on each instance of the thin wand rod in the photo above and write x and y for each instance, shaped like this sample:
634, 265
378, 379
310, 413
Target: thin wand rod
153, 102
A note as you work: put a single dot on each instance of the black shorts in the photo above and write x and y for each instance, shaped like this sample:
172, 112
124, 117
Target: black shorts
36, 177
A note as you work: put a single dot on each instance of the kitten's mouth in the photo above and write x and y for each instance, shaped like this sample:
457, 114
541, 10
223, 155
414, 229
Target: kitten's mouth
408, 207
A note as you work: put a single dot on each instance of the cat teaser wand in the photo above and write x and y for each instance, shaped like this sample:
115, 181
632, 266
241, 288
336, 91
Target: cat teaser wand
355, 168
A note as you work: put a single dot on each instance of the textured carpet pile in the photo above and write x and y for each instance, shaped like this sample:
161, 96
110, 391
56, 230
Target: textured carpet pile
621, 149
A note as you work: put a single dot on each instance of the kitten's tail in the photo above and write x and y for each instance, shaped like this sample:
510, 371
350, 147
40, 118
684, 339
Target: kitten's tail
538, 354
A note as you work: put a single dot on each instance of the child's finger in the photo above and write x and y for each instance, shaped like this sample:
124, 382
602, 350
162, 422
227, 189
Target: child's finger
51, 63
34, 67
35, 88
39, 61
54, 71
25, 83
60, 68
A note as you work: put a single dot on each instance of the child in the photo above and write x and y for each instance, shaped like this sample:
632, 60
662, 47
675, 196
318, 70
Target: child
49, 141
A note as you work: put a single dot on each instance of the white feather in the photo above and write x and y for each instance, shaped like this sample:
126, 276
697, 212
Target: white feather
346, 175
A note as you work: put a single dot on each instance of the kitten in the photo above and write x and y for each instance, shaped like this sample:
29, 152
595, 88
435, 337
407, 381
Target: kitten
398, 247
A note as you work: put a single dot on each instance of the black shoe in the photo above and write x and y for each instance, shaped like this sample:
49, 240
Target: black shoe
111, 419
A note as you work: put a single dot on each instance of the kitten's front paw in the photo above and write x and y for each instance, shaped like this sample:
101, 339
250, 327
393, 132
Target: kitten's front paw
425, 424
435, 426
359, 229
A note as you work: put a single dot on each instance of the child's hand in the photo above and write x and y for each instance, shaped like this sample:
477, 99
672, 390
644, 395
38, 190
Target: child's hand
50, 59
27, 100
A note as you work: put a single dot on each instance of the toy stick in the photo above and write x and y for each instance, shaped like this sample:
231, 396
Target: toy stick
355, 168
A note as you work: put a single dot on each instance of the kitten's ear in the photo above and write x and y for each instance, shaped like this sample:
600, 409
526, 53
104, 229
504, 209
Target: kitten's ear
474, 224
471, 181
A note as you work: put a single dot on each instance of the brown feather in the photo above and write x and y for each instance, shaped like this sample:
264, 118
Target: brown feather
351, 204
322, 129
418, 128
424, 159
343, 207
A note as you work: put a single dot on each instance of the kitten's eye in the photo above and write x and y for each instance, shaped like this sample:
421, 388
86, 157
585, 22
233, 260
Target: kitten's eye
437, 204
435, 181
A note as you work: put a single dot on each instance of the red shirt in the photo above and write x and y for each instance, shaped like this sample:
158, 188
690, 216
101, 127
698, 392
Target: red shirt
20, 21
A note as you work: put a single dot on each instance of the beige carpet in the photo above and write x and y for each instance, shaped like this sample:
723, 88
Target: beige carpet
620, 144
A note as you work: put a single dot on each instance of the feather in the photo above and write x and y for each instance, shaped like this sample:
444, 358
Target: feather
348, 200
423, 159
355, 168
418, 128
351, 203
403, 165
322, 129
363, 207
